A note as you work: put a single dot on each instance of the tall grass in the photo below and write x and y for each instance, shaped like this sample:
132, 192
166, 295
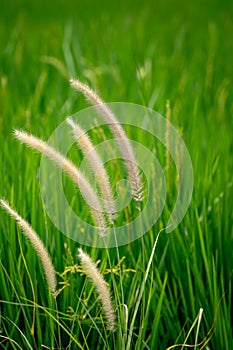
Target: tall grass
141, 54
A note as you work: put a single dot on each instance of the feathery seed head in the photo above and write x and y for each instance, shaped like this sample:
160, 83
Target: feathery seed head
99, 283
37, 244
124, 144
72, 171
97, 166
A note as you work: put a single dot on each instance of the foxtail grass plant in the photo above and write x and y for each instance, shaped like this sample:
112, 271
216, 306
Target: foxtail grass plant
98, 168
38, 245
73, 172
120, 135
101, 288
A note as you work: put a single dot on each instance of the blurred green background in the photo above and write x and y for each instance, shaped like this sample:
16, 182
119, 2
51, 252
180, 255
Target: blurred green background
142, 53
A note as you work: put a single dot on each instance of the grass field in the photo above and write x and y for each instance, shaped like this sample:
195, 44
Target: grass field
131, 52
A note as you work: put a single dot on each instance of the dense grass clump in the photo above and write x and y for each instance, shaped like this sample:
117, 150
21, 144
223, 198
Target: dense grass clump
166, 290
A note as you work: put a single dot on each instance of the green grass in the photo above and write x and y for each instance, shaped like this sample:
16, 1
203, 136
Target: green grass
135, 53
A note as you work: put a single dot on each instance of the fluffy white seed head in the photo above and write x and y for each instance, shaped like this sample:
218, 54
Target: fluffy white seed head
101, 288
72, 171
119, 133
37, 244
97, 166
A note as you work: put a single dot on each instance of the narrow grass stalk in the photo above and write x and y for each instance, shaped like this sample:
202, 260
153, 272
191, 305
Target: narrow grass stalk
73, 172
98, 281
198, 321
14, 290
179, 159
37, 244
97, 165
124, 144
168, 144
141, 293
119, 298
11, 341
198, 326
61, 325
32, 328
21, 332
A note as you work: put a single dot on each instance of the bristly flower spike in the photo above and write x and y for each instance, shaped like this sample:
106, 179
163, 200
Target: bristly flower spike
119, 133
37, 244
97, 166
101, 288
74, 173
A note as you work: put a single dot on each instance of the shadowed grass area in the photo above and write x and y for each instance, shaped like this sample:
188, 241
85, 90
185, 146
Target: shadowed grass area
139, 53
